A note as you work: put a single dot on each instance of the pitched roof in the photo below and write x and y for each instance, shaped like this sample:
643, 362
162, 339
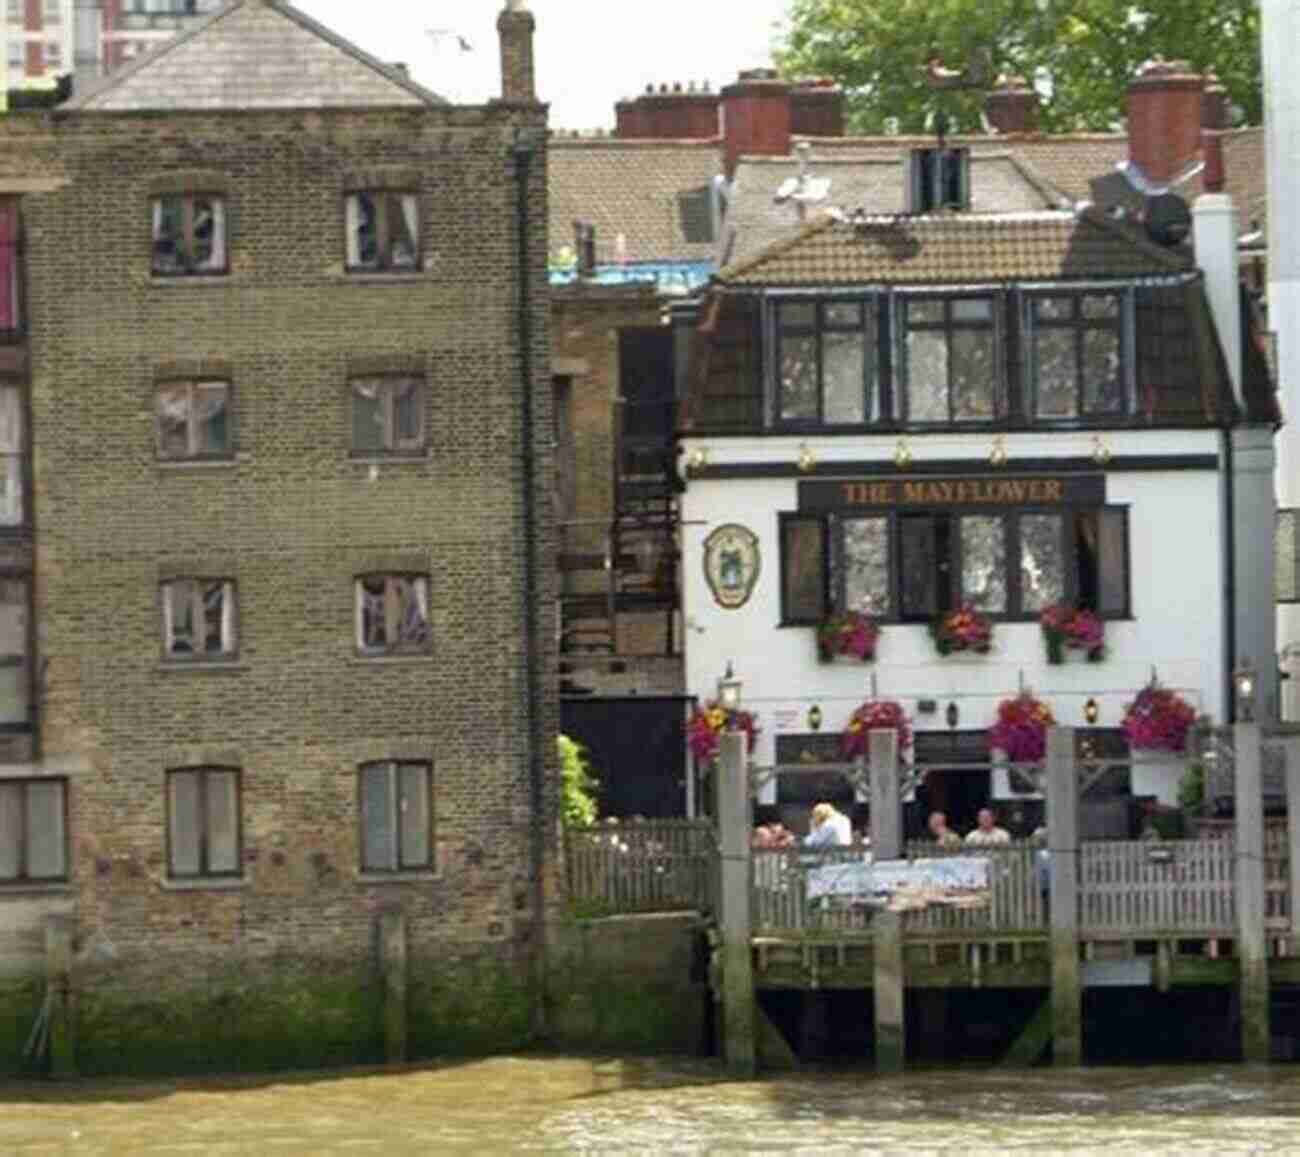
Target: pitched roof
873, 183
631, 187
956, 248
253, 54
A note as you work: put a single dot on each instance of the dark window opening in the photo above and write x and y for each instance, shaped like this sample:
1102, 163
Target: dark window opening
949, 359
938, 179
827, 363
1076, 358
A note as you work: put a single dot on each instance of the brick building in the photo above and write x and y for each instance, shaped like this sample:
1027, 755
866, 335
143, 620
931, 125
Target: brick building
289, 667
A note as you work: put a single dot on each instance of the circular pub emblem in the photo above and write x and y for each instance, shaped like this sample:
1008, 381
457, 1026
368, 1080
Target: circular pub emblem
731, 564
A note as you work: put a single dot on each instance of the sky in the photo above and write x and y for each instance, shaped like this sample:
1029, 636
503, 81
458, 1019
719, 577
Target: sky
589, 53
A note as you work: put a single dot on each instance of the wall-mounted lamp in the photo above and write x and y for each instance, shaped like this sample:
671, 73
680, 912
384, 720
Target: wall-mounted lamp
1100, 451
998, 454
902, 454
807, 460
729, 691
814, 718
698, 457
1244, 685
1090, 712
953, 714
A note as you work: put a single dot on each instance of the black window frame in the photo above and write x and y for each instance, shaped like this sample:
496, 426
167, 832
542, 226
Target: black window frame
995, 327
872, 327
835, 571
1031, 323
205, 871
187, 266
23, 877
393, 767
785, 520
383, 198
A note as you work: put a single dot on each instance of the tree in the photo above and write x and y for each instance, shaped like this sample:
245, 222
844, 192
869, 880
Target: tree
1081, 53
577, 786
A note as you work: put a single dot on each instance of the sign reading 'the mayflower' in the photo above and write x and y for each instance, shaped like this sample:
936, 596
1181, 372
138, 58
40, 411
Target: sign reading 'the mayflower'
731, 564
981, 490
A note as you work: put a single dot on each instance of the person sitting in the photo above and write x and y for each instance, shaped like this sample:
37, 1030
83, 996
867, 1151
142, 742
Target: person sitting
987, 834
830, 828
943, 835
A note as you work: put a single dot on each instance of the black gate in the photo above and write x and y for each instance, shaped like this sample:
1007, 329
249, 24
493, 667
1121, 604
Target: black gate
637, 748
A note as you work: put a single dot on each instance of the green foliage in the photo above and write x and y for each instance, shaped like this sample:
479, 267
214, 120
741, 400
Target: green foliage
1087, 49
1191, 789
577, 786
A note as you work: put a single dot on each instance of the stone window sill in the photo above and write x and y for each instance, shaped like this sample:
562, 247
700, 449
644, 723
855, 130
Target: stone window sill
182, 465
420, 459
207, 280
381, 277
18, 890
212, 667
390, 660
204, 884
413, 877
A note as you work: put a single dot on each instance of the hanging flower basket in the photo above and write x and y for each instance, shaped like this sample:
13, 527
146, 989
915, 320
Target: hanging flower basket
874, 714
706, 725
962, 630
851, 635
1072, 628
1021, 728
1158, 720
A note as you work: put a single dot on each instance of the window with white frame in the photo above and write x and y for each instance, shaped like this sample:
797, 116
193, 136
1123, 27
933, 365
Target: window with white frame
33, 831
52, 12
198, 619
203, 823
396, 818
194, 420
189, 234
392, 614
387, 416
383, 231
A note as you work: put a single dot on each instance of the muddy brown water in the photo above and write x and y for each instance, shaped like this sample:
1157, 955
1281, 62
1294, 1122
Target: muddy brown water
559, 1105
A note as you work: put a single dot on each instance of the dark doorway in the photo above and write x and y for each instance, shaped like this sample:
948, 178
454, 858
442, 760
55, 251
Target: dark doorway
958, 793
645, 429
637, 749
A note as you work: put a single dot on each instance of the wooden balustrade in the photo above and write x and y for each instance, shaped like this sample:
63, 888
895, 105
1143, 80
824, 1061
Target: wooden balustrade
642, 866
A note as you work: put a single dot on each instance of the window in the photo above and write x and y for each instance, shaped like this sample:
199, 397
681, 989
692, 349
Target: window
938, 179
194, 420
383, 231
392, 614
949, 359
53, 55
826, 363
15, 55
33, 831
912, 566
15, 674
396, 827
1075, 361
9, 319
387, 416
16, 12
189, 234
1286, 557
203, 823
11, 456
52, 12
198, 619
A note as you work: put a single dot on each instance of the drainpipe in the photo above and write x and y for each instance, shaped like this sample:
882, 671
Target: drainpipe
522, 154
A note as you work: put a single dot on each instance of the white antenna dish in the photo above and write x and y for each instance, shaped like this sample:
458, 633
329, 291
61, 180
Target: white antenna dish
805, 190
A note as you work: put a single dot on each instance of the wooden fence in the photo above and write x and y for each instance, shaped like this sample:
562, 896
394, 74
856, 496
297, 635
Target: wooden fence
1165, 886
642, 866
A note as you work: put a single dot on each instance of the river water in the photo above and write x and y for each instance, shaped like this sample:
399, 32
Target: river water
560, 1105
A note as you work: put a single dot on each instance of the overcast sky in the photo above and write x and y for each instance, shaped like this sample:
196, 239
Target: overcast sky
589, 53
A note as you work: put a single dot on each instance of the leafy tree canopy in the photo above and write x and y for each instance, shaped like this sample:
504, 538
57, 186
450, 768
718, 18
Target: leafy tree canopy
1081, 53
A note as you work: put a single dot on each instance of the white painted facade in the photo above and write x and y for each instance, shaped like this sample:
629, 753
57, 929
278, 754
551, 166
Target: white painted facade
1176, 566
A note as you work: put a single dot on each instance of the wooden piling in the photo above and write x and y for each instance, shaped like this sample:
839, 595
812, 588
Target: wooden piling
58, 980
1063, 846
739, 1024
392, 957
1252, 945
887, 844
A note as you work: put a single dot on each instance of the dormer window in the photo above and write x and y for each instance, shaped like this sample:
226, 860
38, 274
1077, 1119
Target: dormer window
938, 179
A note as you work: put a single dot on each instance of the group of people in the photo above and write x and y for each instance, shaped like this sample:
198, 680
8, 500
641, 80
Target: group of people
829, 827
985, 833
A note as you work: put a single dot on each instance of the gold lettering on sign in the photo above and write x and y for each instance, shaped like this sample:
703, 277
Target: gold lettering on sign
955, 492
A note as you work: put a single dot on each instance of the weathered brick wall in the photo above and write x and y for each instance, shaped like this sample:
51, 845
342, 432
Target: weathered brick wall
292, 521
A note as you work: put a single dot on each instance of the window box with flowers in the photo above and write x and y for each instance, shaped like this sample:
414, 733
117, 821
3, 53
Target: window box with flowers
1156, 725
964, 629
1067, 628
850, 636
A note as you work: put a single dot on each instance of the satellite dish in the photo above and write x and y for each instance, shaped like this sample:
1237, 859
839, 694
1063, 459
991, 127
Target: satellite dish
808, 190
1167, 219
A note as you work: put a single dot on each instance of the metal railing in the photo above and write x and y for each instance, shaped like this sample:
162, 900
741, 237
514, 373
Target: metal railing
641, 866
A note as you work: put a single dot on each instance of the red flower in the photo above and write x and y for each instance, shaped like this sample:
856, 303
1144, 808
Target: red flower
873, 714
1158, 720
707, 724
851, 633
1021, 728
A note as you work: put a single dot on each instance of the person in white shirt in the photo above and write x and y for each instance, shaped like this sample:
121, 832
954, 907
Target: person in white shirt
830, 828
987, 834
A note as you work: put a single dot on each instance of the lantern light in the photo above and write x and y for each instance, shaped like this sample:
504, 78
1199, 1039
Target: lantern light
729, 691
1244, 683
814, 718
1090, 711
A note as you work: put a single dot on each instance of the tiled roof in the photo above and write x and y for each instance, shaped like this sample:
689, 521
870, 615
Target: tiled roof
253, 54
1066, 162
955, 248
873, 183
633, 188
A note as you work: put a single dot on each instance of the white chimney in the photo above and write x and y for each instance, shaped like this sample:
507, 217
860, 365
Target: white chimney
1215, 233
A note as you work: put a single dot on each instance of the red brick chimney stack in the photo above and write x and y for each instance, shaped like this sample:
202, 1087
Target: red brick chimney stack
515, 27
817, 108
1012, 105
1214, 120
755, 117
1164, 118
676, 114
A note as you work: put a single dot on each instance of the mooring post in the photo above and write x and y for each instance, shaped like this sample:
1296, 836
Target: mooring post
1252, 946
1292, 751
739, 1022
58, 981
1063, 857
392, 956
887, 844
